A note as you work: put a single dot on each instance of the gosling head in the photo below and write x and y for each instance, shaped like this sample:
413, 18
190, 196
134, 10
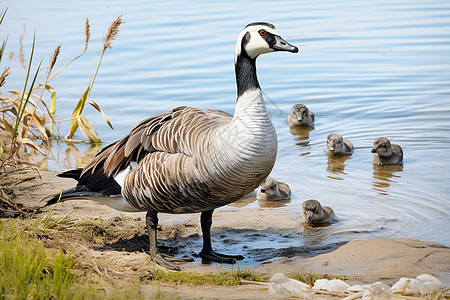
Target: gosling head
311, 209
336, 145
382, 146
271, 190
260, 37
268, 189
300, 116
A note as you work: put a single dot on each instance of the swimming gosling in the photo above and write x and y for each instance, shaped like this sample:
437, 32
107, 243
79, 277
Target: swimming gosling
314, 213
386, 153
272, 190
336, 145
300, 116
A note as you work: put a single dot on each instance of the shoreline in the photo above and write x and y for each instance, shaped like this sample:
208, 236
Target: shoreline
361, 261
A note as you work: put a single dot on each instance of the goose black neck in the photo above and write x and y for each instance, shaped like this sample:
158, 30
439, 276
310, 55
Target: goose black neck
246, 78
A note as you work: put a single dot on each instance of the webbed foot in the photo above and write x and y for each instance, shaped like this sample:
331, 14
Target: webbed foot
209, 256
167, 261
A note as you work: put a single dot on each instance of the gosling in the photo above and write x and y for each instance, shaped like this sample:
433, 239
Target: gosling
336, 145
300, 116
386, 153
272, 190
314, 213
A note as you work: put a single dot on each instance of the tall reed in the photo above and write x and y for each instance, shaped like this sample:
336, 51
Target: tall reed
20, 114
77, 117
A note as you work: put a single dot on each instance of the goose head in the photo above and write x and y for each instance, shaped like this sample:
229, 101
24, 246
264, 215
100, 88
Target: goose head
260, 37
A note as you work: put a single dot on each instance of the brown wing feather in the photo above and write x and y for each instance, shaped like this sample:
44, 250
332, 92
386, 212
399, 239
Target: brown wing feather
166, 132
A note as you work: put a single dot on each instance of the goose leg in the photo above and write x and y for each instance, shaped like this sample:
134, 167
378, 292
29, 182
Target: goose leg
207, 252
164, 260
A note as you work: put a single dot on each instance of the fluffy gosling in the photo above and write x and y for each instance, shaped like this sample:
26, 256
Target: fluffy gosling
336, 145
386, 153
300, 116
272, 190
314, 213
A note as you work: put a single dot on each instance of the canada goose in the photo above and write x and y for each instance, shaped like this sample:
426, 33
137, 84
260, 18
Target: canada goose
336, 145
300, 115
190, 159
273, 190
386, 153
315, 213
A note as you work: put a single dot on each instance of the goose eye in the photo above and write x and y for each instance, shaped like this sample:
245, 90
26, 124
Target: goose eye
262, 32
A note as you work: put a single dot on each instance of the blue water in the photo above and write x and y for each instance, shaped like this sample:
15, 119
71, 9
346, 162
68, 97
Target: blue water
366, 69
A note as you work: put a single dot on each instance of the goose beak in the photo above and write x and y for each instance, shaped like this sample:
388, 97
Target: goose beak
282, 45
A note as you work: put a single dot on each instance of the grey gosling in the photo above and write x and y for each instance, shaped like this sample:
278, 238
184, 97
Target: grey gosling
336, 145
190, 159
314, 213
272, 190
300, 116
386, 153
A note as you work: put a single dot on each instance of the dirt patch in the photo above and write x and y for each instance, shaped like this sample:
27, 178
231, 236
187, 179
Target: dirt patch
111, 247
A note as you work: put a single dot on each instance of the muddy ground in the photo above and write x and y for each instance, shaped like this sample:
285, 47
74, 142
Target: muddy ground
111, 246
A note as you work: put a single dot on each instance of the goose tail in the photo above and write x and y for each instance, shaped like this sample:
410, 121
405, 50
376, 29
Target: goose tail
74, 174
80, 191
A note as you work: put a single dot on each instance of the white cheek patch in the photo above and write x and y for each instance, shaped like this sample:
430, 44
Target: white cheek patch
257, 45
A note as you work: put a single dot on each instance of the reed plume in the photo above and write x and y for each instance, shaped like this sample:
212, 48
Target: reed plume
87, 34
112, 33
3, 76
53, 60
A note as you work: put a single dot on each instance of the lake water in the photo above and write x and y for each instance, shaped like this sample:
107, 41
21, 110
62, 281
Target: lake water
365, 68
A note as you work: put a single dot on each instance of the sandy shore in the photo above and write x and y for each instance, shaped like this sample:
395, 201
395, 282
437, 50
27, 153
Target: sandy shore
360, 261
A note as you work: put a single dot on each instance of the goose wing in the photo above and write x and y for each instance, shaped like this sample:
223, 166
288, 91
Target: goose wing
180, 132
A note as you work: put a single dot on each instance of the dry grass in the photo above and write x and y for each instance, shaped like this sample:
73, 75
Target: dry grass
28, 118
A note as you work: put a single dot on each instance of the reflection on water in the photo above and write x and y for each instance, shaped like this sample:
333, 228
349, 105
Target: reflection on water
81, 158
302, 135
315, 234
384, 175
262, 203
336, 165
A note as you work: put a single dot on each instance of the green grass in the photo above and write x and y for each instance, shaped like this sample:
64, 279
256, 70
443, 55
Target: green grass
223, 277
30, 271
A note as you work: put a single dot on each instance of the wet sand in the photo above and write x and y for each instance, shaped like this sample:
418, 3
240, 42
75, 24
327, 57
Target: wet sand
124, 242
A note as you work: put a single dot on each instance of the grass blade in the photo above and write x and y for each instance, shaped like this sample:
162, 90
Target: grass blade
97, 107
22, 101
30, 143
88, 131
52, 108
3, 15
77, 113
23, 104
